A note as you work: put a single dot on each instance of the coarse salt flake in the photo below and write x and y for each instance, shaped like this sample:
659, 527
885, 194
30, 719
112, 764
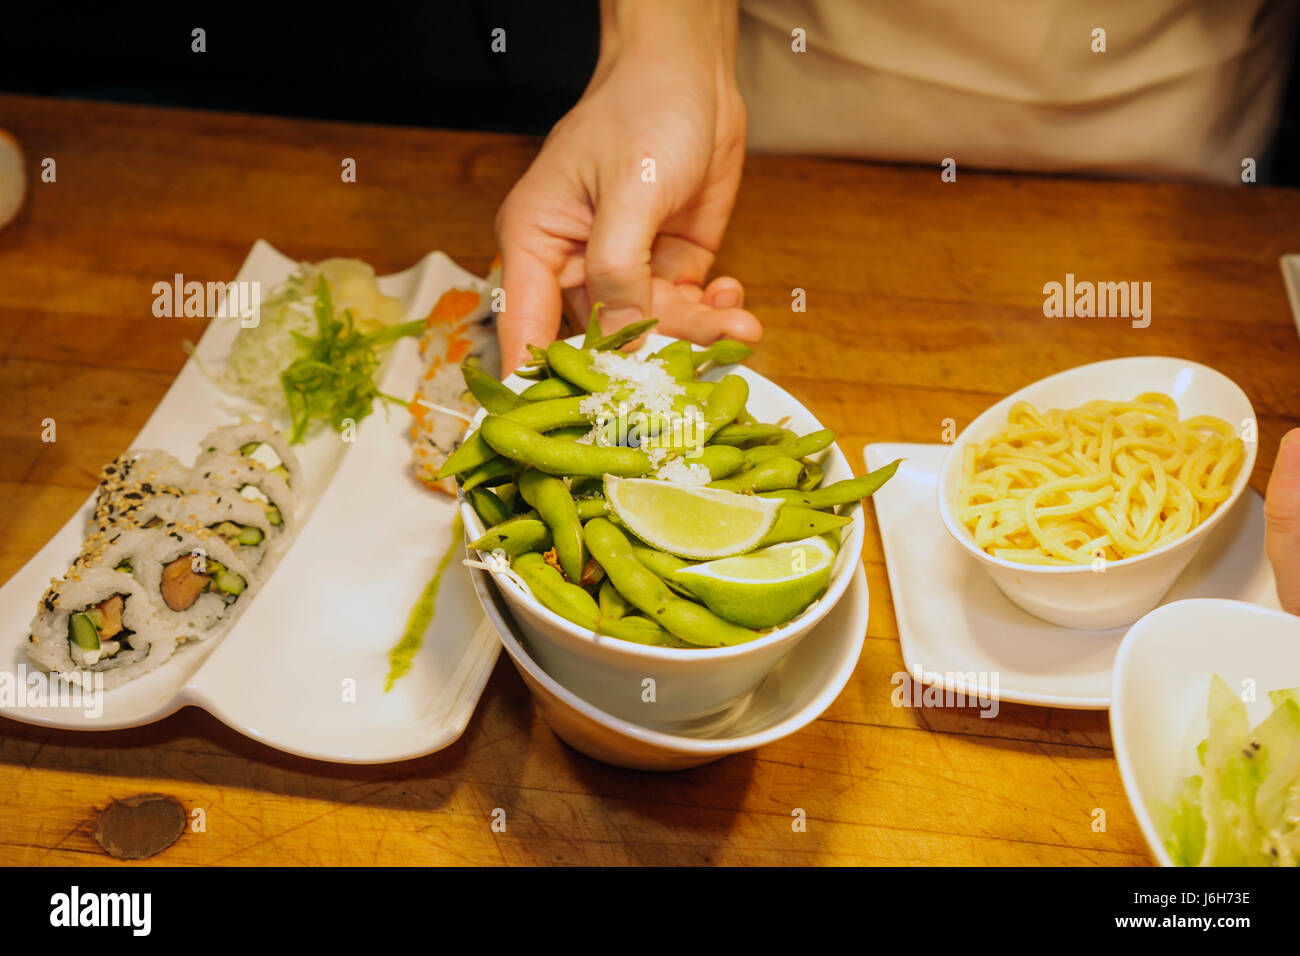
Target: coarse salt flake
680, 473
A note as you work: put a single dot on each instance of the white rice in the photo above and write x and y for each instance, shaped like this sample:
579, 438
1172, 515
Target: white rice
50, 646
228, 439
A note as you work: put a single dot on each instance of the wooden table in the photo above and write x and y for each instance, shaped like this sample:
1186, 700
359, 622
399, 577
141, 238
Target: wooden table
924, 303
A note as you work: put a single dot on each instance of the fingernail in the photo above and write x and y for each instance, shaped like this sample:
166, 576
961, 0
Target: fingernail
613, 319
728, 299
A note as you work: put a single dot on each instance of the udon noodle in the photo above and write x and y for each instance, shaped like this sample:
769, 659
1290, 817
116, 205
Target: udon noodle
1106, 480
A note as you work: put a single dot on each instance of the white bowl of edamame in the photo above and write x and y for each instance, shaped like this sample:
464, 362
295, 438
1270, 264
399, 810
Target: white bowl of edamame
655, 684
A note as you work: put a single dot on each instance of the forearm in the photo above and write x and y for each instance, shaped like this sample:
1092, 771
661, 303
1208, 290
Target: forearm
698, 36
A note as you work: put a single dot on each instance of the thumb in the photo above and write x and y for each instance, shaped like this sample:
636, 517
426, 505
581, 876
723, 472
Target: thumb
618, 253
1282, 519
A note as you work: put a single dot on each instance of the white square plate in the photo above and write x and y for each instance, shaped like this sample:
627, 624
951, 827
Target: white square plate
953, 622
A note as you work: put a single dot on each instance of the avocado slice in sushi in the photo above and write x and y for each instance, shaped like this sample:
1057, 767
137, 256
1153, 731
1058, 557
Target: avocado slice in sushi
264, 454
253, 493
223, 579
249, 536
82, 632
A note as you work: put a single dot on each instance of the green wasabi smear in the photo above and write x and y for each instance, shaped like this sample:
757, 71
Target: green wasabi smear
401, 656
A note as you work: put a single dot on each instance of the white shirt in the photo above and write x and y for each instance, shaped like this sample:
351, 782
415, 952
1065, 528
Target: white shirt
1184, 88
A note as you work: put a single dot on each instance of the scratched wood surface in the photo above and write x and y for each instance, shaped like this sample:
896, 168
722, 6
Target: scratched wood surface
924, 302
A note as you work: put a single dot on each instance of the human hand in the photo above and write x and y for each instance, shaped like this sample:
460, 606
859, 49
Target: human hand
592, 222
1282, 518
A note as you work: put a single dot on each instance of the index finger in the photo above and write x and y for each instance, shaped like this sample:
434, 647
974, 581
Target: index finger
532, 306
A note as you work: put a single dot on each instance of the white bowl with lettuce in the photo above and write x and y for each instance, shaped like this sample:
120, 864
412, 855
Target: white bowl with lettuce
1205, 721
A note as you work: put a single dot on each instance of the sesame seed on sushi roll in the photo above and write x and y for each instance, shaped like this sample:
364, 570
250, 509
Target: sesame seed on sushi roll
193, 578
98, 621
134, 478
223, 511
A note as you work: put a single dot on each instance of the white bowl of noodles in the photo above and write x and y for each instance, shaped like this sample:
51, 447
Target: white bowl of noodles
1071, 553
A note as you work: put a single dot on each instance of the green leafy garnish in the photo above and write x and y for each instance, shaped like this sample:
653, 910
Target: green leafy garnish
333, 380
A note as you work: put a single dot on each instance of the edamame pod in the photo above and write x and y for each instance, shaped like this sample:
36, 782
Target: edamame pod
725, 402
699, 391
575, 366
794, 523
643, 589
841, 492
744, 434
802, 447
549, 388
660, 562
508, 493
770, 475
628, 333
593, 334
587, 485
490, 509
515, 537
721, 460
722, 352
663, 564
813, 476
812, 443
557, 457
494, 471
635, 628
554, 503
612, 604
556, 594
568, 432
591, 507
577, 606
539, 416
676, 357
490, 391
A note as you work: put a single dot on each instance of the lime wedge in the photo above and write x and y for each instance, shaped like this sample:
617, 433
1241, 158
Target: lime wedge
689, 520
763, 588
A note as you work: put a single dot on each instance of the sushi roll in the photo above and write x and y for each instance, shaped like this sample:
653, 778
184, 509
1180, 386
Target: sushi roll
241, 522
461, 325
258, 442
192, 577
98, 621
254, 482
133, 478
